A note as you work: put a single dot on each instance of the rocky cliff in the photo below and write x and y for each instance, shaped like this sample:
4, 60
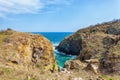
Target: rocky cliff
98, 47
25, 54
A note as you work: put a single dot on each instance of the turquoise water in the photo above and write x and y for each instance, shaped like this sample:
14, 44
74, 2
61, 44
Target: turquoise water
56, 38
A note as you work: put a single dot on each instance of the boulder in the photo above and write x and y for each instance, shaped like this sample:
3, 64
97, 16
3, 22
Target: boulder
74, 65
92, 67
115, 30
110, 64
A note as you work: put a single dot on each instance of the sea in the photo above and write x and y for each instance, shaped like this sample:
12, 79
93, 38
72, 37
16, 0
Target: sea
56, 38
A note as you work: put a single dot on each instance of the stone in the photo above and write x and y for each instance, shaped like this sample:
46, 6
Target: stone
110, 64
115, 30
92, 61
92, 67
73, 65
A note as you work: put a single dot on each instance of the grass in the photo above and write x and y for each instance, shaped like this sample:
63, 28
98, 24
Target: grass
38, 65
93, 40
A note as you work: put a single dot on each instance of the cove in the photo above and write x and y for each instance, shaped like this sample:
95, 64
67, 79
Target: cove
56, 38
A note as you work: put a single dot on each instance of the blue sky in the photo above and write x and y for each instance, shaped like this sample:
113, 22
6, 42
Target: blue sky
56, 15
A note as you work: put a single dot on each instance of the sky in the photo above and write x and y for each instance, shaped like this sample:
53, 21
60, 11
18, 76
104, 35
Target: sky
56, 15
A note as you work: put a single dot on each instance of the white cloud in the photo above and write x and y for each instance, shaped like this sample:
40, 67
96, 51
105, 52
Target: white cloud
27, 6
19, 6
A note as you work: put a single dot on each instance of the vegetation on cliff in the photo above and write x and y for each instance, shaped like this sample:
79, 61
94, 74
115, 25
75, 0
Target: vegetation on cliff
24, 56
97, 47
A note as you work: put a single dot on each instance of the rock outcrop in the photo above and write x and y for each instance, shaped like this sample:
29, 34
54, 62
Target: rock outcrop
20, 50
100, 42
74, 65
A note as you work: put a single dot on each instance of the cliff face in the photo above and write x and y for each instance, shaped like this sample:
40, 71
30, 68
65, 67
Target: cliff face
26, 51
99, 43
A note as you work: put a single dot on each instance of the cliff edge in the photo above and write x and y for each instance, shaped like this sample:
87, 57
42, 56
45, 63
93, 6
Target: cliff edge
98, 47
24, 55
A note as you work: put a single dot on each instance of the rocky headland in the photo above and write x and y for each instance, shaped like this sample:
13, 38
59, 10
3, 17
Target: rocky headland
97, 48
25, 56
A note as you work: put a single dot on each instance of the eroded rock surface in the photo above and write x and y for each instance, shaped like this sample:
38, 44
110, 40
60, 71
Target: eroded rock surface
26, 51
100, 42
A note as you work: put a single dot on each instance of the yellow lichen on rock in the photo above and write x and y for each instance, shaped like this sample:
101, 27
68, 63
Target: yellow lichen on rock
26, 50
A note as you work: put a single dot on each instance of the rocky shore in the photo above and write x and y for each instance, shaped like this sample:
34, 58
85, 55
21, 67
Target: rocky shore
97, 48
26, 56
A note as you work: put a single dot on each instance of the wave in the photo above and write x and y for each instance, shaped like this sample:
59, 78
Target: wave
62, 57
63, 54
54, 45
